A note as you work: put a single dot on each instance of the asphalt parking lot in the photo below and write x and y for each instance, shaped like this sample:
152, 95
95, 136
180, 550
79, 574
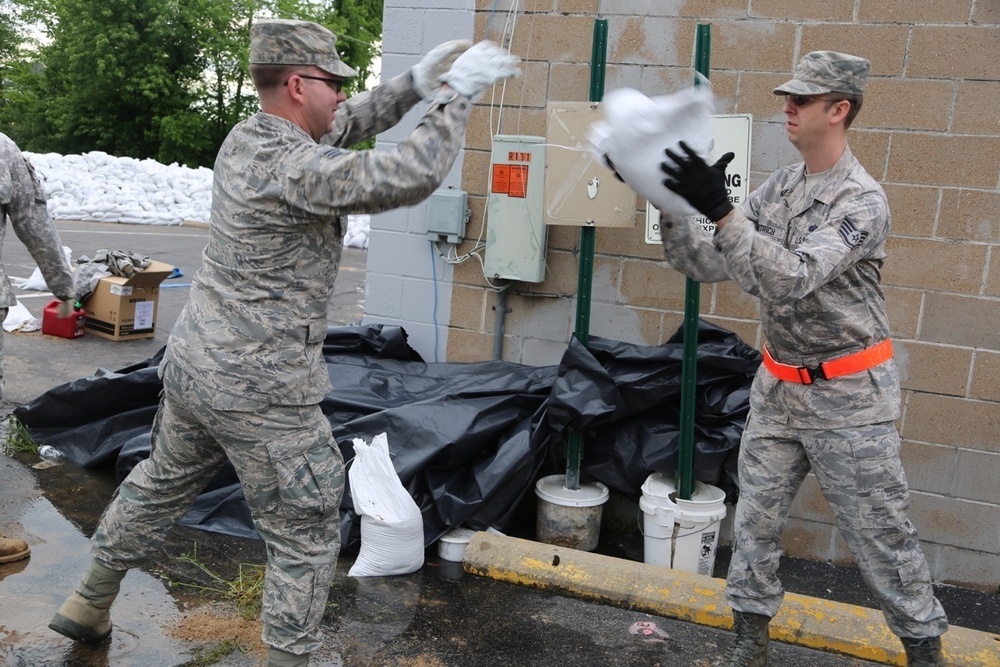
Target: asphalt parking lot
34, 362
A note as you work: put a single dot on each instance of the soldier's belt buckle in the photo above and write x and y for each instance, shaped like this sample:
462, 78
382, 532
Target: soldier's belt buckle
810, 375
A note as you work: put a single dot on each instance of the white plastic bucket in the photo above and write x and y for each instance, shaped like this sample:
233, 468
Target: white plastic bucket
657, 532
452, 544
694, 525
569, 517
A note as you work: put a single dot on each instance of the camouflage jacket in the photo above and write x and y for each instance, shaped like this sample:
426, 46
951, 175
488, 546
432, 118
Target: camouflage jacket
814, 262
254, 326
22, 200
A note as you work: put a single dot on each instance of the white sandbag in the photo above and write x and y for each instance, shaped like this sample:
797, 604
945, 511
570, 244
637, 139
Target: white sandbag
19, 318
36, 281
392, 530
637, 129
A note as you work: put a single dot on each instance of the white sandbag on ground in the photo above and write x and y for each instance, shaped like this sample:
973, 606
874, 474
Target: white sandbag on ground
392, 529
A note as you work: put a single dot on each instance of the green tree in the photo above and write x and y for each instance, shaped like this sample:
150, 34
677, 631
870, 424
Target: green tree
112, 72
358, 24
223, 95
165, 79
10, 46
10, 38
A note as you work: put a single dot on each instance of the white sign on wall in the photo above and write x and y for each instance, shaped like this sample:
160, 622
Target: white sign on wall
732, 133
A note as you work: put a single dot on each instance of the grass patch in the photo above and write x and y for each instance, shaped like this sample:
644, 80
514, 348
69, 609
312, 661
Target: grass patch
16, 438
244, 591
206, 657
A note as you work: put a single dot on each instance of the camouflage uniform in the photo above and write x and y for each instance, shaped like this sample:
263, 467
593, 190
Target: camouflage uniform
243, 371
22, 200
814, 263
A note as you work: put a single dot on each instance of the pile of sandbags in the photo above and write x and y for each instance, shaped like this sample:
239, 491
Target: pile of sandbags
98, 186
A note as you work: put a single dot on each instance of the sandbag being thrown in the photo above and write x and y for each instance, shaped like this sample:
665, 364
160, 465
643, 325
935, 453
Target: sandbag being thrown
637, 129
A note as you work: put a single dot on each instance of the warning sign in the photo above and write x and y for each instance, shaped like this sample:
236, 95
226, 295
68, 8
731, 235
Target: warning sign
510, 180
732, 133
518, 180
501, 179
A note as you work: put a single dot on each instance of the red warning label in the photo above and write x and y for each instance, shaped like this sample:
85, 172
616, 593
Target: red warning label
510, 180
501, 179
518, 180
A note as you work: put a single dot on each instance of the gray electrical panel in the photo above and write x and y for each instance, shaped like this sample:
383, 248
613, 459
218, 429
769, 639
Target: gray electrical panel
447, 214
515, 228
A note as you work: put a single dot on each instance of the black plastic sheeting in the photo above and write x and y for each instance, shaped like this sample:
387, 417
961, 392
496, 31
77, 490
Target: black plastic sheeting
467, 440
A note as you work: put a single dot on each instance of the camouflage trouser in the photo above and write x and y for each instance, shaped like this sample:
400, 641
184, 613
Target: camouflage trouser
862, 478
292, 475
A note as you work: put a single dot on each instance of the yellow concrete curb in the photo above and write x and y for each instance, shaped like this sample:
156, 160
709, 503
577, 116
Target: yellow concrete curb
802, 620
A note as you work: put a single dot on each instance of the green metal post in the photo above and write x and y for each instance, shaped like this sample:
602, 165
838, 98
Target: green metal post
588, 240
692, 305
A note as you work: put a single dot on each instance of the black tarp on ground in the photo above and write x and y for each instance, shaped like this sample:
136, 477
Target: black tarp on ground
467, 440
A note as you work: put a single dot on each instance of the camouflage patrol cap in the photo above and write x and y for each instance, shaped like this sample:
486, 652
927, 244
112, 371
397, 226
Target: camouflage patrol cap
291, 42
827, 72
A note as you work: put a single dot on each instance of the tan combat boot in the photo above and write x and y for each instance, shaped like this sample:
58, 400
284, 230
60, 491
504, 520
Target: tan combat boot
924, 652
278, 658
85, 616
12, 550
749, 649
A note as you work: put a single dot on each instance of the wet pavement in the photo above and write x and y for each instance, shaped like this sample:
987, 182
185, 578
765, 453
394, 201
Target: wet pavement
170, 613
437, 617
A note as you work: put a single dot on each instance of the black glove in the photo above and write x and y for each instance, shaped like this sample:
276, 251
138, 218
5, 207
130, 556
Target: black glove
703, 187
614, 170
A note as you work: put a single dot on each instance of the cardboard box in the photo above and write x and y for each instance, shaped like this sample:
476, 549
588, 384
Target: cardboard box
125, 308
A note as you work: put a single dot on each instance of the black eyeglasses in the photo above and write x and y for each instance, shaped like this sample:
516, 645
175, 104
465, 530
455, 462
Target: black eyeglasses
803, 100
336, 84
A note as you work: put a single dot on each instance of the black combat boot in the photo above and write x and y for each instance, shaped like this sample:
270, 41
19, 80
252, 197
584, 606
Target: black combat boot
924, 652
749, 649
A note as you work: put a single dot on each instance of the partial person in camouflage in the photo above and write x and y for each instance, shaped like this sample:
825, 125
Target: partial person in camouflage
810, 244
23, 202
243, 372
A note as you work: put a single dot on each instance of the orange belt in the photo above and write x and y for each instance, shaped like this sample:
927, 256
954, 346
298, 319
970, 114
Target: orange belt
852, 363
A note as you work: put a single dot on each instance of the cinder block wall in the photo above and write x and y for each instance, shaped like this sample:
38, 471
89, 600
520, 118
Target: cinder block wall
406, 281
929, 131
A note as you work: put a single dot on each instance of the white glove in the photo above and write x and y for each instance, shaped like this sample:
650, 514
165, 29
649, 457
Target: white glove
65, 309
428, 71
481, 66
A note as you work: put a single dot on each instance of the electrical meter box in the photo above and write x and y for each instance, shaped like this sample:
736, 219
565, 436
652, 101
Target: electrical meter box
579, 188
515, 230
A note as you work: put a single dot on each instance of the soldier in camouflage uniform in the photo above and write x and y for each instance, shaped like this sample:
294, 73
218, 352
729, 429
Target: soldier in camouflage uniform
22, 200
810, 243
243, 372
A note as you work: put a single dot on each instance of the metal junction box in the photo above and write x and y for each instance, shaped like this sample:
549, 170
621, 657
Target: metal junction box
447, 213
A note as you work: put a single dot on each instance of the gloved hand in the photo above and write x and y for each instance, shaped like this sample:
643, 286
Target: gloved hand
614, 170
703, 186
428, 71
65, 309
481, 66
